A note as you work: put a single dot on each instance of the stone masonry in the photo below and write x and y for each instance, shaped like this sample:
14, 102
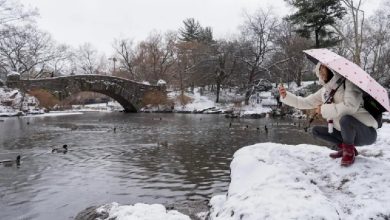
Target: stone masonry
127, 92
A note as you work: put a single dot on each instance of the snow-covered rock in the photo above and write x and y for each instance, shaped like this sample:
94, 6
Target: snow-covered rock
275, 181
13, 76
12, 101
161, 82
13, 73
140, 211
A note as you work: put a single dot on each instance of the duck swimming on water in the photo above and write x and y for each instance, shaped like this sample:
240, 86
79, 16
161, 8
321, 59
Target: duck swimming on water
162, 144
10, 163
64, 149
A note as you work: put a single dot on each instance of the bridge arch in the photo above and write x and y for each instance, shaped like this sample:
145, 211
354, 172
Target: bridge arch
126, 92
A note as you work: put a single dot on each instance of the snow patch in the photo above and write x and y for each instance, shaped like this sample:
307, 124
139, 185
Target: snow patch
13, 73
56, 113
140, 211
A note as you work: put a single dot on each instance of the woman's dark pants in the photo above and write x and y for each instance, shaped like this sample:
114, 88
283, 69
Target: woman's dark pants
353, 132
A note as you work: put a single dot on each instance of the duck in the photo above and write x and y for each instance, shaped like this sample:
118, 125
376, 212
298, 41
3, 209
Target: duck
10, 163
64, 149
162, 144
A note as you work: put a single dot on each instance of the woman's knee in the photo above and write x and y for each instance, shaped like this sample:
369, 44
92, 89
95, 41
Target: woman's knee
316, 131
346, 120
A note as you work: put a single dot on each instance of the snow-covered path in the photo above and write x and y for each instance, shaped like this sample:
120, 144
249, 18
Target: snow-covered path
275, 181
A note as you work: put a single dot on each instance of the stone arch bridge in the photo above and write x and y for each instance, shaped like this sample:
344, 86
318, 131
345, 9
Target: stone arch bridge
127, 92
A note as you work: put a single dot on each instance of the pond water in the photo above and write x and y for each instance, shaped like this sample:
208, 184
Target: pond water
178, 159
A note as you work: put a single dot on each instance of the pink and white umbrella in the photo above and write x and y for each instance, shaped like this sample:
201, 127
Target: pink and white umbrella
352, 72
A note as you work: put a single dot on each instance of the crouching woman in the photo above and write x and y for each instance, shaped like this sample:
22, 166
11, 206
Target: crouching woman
353, 125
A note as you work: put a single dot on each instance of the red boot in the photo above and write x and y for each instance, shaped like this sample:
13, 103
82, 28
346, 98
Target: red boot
339, 153
348, 155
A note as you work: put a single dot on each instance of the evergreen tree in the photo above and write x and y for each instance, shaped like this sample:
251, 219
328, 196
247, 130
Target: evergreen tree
314, 16
193, 31
206, 35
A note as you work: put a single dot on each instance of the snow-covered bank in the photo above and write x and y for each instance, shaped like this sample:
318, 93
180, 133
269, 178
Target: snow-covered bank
105, 107
138, 211
56, 113
8, 98
275, 181
12, 103
201, 101
197, 101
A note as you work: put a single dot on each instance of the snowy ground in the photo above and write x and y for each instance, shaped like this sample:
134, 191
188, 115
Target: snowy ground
275, 181
201, 102
198, 102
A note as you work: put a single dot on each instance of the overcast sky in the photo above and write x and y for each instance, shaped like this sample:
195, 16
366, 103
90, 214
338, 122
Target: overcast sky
99, 22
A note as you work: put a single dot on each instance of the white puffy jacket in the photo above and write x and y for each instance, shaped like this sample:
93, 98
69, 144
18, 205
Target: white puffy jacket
348, 100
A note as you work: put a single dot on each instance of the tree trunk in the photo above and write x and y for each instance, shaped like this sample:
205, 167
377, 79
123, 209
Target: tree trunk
247, 96
299, 78
218, 90
317, 39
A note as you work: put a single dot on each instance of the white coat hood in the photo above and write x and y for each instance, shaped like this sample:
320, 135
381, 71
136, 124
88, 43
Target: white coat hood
317, 72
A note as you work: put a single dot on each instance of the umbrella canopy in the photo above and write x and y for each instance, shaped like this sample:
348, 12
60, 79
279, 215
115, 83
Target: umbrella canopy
352, 72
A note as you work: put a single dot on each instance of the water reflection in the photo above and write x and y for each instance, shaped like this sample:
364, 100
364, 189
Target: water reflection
126, 166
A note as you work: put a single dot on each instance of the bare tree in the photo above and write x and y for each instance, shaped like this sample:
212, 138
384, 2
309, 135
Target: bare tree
258, 34
26, 50
11, 11
88, 59
352, 35
377, 37
216, 63
124, 49
155, 57
185, 65
376, 46
289, 50
61, 64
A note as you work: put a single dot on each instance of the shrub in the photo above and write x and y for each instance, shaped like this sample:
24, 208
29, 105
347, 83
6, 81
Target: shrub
45, 98
184, 100
155, 98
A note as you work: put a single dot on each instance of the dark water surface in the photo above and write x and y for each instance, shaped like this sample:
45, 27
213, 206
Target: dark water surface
126, 166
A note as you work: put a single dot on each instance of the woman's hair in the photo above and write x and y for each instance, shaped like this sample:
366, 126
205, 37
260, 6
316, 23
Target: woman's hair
329, 73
